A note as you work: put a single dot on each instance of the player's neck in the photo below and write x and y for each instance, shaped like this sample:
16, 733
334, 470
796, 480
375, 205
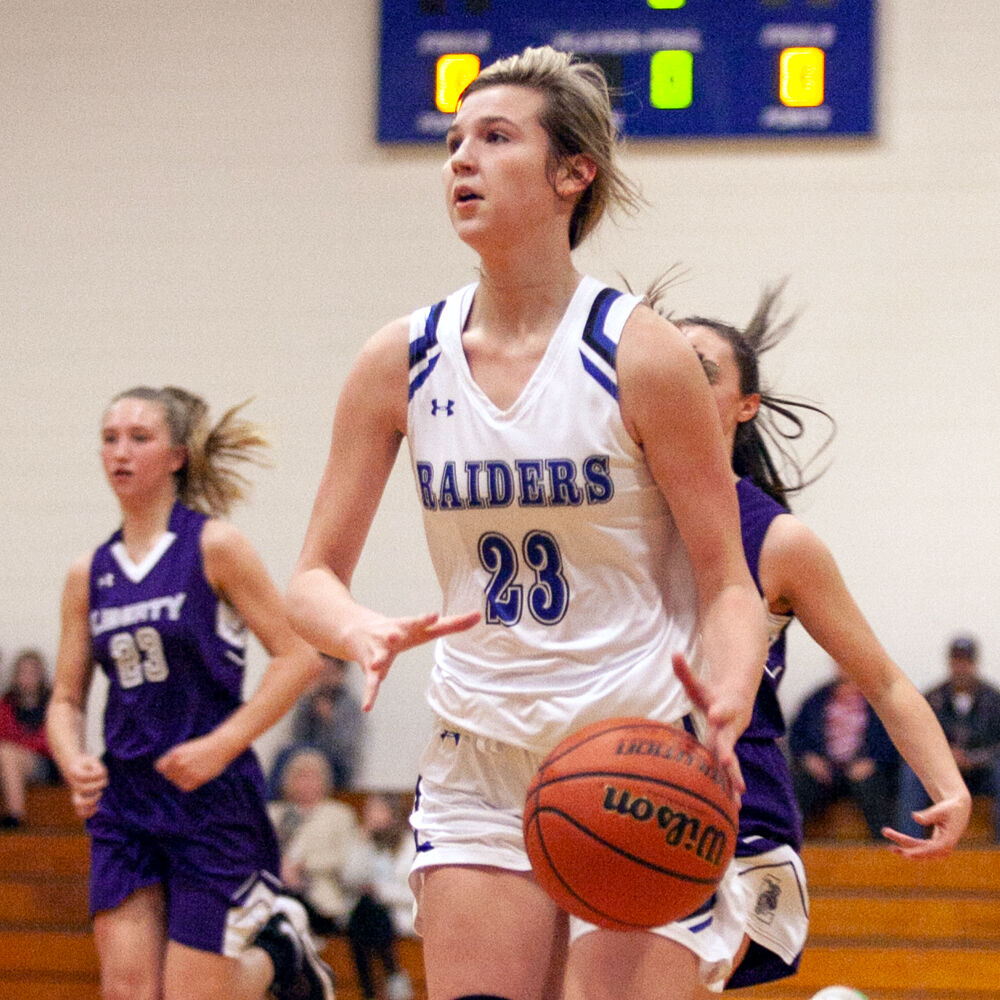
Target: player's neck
524, 297
144, 524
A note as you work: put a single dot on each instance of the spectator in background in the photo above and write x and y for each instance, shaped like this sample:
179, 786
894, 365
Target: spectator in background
24, 746
378, 873
968, 709
316, 834
327, 718
840, 749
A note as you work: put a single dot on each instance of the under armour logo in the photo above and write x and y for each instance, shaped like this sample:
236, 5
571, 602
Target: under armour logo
108, 580
447, 408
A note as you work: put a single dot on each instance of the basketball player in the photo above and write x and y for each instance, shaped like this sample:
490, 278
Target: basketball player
797, 576
581, 516
179, 834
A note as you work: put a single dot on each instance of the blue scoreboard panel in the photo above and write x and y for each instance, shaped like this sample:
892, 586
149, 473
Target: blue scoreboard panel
677, 67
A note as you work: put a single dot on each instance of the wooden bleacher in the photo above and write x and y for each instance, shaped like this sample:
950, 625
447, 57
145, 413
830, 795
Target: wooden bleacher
895, 930
46, 947
842, 821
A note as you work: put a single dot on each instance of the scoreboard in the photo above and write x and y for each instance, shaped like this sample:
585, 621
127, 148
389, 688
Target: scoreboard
710, 68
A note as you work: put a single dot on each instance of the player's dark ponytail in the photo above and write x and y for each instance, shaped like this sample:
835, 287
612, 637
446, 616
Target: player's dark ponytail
763, 449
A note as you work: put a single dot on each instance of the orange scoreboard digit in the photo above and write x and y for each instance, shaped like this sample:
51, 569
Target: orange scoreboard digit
723, 68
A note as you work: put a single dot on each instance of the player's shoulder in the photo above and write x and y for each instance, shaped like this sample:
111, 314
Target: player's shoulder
223, 544
76, 586
228, 556
794, 560
218, 533
656, 360
652, 339
79, 569
789, 537
387, 349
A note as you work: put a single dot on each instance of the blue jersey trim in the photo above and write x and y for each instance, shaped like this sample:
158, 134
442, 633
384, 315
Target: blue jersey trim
599, 353
607, 384
425, 350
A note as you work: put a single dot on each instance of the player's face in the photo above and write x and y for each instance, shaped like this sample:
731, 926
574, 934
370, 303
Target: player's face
724, 377
138, 456
498, 177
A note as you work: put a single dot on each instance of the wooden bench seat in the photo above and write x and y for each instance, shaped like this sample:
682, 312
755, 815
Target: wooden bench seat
842, 821
833, 866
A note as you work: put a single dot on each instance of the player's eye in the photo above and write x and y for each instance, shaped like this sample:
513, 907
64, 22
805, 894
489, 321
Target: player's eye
711, 369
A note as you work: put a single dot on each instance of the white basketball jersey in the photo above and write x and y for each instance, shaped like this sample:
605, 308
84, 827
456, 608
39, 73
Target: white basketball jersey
545, 518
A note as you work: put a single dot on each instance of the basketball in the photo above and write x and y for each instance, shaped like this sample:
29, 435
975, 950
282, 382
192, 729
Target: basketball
630, 824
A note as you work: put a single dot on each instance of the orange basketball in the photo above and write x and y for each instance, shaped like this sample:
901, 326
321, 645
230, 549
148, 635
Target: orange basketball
630, 823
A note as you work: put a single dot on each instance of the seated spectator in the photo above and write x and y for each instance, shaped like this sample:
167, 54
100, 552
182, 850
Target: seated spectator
24, 747
327, 718
378, 872
316, 835
968, 709
840, 749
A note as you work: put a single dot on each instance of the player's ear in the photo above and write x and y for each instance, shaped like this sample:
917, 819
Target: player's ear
749, 407
574, 175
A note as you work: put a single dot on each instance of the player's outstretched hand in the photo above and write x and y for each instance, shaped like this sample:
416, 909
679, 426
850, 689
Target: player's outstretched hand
947, 820
723, 728
394, 635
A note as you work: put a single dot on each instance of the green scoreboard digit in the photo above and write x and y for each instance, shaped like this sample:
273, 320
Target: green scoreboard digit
721, 68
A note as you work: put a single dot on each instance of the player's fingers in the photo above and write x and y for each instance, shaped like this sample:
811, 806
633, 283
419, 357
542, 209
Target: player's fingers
916, 847
951, 813
85, 804
724, 752
453, 623
694, 688
736, 782
373, 681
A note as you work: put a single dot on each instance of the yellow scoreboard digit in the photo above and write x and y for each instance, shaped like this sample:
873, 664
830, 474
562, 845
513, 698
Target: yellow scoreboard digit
454, 71
801, 77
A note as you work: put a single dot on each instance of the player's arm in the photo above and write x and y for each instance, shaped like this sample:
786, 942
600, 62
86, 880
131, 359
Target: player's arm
65, 717
668, 408
237, 573
368, 427
797, 568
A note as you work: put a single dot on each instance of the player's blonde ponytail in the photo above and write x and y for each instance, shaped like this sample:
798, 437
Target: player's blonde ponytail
210, 479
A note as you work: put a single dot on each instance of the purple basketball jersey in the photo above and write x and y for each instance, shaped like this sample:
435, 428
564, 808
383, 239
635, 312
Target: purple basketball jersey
173, 651
769, 815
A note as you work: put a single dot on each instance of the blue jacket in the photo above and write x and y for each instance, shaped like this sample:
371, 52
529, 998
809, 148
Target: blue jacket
806, 734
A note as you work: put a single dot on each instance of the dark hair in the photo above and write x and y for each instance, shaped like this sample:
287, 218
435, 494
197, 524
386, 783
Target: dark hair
779, 420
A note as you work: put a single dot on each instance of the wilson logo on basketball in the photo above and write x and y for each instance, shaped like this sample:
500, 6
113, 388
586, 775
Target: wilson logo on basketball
706, 841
